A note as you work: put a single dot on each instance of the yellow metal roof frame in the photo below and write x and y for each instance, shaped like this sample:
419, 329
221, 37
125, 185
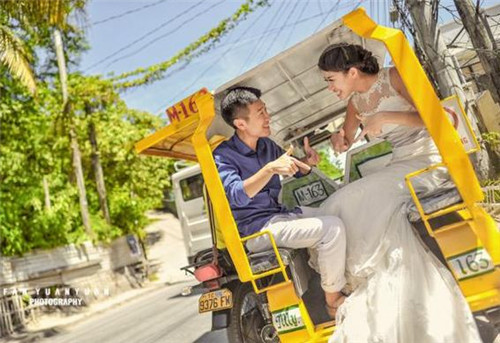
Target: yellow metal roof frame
174, 140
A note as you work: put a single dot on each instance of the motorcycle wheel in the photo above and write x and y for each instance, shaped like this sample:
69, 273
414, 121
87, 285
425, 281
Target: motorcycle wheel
247, 323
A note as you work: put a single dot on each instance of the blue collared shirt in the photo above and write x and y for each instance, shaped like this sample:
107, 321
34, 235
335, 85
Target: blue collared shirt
237, 162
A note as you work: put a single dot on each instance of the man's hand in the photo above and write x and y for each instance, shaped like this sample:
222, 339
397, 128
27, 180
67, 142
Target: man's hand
284, 165
287, 165
339, 141
312, 156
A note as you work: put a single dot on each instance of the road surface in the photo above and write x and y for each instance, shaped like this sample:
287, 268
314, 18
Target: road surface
163, 316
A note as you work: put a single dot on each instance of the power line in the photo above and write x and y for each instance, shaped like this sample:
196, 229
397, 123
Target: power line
386, 13
127, 13
229, 46
167, 75
319, 5
164, 35
293, 28
327, 15
237, 40
270, 31
279, 31
262, 39
166, 23
241, 42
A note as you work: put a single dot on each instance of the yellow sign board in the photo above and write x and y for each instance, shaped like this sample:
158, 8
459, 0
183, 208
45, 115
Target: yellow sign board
184, 108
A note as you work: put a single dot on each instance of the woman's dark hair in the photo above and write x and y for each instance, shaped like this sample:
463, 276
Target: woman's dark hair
235, 102
341, 57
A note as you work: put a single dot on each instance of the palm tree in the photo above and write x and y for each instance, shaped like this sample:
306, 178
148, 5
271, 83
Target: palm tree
33, 15
40, 17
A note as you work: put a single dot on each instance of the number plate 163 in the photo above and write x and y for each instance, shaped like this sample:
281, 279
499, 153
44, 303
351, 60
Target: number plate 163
309, 194
471, 263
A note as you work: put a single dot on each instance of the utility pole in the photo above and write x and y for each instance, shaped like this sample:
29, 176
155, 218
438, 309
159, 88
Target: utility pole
46, 191
424, 16
478, 32
439, 61
77, 159
96, 165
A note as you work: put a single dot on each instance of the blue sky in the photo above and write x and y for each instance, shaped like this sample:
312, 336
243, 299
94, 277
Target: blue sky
223, 63
177, 23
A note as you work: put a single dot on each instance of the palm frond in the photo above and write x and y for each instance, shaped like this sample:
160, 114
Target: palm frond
40, 13
13, 56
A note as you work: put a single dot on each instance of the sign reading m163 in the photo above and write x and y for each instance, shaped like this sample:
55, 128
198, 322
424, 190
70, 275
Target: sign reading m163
185, 108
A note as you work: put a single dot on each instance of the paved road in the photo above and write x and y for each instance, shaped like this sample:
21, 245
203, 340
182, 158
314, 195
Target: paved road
163, 316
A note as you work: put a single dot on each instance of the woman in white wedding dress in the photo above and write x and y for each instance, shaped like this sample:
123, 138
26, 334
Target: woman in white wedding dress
401, 292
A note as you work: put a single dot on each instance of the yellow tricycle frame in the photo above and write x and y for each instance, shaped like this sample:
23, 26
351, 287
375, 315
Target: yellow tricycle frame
186, 137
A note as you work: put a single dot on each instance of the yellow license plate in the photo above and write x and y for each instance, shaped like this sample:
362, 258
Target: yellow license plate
215, 301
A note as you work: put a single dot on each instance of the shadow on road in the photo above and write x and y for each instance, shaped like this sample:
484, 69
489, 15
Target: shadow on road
153, 237
194, 292
33, 336
219, 336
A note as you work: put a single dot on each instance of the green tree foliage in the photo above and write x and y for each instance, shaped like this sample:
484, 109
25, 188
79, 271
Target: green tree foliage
34, 146
28, 151
134, 183
329, 167
493, 140
18, 17
202, 45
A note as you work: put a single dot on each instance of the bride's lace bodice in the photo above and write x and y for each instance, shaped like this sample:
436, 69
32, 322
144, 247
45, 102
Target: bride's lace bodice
383, 97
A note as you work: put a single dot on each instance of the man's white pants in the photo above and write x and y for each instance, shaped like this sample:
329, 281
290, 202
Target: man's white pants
325, 235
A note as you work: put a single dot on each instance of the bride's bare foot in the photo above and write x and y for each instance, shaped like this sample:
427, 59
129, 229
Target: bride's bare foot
334, 305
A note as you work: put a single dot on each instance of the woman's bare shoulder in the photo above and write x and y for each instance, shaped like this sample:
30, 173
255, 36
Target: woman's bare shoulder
395, 79
398, 84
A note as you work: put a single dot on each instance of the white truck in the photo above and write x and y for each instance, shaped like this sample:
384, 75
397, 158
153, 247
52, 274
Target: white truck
191, 210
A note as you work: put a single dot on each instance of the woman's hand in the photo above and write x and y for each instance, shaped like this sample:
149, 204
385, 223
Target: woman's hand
372, 125
453, 116
339, 141
312, 156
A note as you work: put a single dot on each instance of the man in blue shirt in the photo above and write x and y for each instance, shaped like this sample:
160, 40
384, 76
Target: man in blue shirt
249, 166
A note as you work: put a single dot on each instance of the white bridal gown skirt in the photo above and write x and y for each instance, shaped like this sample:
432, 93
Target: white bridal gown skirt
402, 293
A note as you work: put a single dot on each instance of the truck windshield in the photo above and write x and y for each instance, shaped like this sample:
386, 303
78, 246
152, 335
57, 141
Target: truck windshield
192, 187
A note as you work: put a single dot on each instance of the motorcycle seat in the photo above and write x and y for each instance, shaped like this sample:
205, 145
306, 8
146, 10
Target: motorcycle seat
294, 259
433, 202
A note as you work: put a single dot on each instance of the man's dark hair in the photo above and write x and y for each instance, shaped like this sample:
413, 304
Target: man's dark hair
234, 104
